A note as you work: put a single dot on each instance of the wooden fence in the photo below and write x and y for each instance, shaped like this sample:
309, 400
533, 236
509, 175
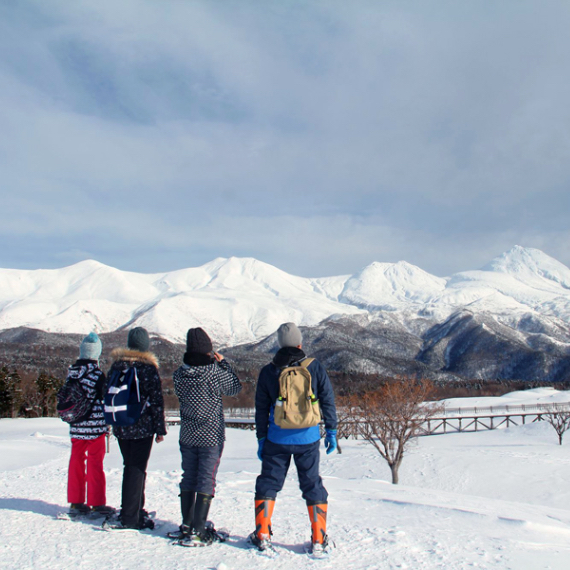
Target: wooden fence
453, 420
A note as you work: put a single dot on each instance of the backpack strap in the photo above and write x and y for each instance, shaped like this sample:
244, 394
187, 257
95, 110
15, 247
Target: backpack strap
306, 362
100, 387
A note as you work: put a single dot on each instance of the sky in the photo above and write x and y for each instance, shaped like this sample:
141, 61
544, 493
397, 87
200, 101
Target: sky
314, 135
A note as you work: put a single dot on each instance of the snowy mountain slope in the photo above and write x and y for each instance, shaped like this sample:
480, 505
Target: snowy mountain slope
236, 300
391, 286
495, 500
527, 276
244, 300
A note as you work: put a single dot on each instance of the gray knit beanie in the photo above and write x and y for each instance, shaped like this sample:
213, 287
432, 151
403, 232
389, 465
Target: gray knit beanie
138, 339
90, 348
289, 335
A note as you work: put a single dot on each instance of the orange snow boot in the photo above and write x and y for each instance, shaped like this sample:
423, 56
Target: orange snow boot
263, 512
318, 516
261, 536
320, 545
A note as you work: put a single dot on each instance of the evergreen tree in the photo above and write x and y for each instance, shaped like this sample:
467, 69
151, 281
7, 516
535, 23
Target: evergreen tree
48, 386
10, 392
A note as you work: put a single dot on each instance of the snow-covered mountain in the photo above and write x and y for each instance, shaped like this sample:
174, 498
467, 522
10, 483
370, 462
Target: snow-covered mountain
241, 300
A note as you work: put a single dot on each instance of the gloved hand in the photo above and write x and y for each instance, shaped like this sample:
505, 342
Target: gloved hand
330, 441
260, 444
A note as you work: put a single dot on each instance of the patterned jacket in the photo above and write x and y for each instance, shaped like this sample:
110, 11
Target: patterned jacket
152, 418
199, 389
92, 381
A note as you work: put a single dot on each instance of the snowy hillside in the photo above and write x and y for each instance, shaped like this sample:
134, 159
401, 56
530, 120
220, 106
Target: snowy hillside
244, 300
236, 300
490, 500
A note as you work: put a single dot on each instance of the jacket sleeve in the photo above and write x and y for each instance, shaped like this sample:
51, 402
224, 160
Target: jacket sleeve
229, 382
325, 394
92, 382
263, 403
156, 402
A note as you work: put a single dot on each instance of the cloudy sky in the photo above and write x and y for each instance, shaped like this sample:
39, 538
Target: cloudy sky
317, 136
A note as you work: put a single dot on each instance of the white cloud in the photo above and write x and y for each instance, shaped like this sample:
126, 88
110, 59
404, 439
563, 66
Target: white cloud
381, 131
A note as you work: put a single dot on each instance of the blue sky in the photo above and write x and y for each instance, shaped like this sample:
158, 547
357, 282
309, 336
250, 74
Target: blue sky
317, 136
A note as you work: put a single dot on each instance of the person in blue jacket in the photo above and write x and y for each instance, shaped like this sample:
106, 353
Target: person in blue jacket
276, 446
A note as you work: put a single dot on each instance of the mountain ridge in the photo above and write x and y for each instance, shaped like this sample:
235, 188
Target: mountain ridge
240, 300
507, 320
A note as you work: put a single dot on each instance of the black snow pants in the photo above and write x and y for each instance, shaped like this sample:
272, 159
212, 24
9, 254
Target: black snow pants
136, 453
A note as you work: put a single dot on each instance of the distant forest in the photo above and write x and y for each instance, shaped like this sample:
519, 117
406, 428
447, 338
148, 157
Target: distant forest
33, 366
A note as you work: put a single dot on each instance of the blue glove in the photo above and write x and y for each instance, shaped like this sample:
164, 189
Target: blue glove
330, 441
260, 444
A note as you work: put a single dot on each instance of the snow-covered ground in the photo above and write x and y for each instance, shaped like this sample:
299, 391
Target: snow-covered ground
543, 397
497, 500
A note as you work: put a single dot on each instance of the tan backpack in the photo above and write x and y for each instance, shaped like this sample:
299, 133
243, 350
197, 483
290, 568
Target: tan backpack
296, 407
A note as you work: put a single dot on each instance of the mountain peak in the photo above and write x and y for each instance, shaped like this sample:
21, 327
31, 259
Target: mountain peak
391, 284
528, 264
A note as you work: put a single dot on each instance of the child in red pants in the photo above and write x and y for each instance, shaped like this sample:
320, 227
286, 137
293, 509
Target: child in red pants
88, 436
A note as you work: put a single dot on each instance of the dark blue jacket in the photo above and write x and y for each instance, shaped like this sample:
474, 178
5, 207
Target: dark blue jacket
152, 417
267, 393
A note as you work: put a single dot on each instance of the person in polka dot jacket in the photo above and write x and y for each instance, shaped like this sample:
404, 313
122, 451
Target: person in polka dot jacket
200, 384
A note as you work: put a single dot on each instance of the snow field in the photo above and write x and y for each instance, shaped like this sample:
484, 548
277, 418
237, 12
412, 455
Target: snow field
497, 500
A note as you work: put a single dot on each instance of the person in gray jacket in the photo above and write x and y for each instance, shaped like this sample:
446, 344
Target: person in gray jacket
200, 384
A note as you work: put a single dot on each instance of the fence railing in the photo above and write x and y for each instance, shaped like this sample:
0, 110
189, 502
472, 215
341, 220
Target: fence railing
507, 409
249, 413
450, 420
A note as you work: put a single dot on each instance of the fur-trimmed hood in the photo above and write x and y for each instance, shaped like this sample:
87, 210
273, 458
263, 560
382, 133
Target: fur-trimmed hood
129, 355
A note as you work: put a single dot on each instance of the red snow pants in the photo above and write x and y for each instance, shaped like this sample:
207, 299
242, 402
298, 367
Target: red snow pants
92, 452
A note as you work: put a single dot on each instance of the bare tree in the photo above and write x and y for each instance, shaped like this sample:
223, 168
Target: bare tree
346, 424
560, 421
390, 417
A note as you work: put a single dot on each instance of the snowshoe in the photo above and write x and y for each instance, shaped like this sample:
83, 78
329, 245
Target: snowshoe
205, 538
148, 514
78, 510
102, 511
183, 532
218, 535
113, 522
319, 550
262, 545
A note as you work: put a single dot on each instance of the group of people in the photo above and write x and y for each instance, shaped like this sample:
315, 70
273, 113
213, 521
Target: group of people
199, 383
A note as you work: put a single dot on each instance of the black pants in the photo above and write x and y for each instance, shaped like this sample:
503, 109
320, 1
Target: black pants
135, 454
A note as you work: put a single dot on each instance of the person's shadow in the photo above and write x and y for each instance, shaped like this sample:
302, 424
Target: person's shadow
53, 511
31, 506
46, 509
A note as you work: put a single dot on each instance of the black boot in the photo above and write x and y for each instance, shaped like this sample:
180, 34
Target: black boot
202, 535
187, 500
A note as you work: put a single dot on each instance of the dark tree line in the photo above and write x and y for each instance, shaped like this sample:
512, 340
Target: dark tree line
28, 395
